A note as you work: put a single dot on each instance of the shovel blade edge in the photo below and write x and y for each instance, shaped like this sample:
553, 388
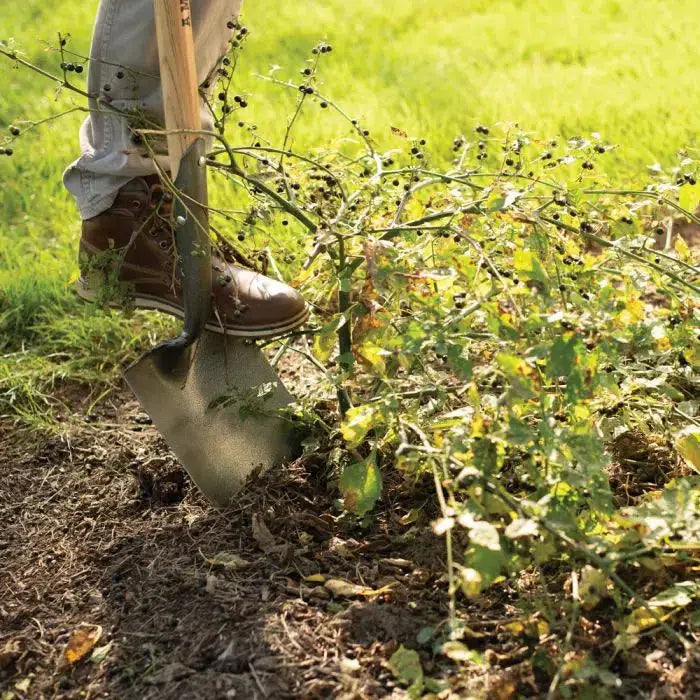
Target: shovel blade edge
216, 417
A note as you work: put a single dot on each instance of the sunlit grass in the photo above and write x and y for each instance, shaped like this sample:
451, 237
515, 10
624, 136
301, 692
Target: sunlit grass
626, 70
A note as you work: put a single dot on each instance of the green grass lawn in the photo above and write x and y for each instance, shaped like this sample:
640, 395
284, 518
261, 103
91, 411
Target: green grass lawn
626, 70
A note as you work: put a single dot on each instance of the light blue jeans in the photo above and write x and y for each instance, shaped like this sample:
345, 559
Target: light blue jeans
124, 70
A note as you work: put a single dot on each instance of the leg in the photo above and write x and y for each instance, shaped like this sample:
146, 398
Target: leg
127, 250
124, 70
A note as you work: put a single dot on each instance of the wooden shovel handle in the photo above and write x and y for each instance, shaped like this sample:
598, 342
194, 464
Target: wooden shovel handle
178, 74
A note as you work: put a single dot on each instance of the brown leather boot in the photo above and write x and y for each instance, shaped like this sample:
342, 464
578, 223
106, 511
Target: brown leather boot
128, 257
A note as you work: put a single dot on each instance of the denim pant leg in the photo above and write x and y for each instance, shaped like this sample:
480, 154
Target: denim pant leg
124, 70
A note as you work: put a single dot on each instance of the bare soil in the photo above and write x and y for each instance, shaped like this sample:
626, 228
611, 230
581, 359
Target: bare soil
104, 535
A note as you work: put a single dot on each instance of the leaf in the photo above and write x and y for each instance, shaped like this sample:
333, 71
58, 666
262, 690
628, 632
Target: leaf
324, 343
689, 197
522, 527
361, 485
358, 421
688, 444
262, 535
349, 666
406, 667
460, 652
562, 357
99, 654
677, 596
80, 643
372, 354
485, 535
345, 589
23, 685
399, 132
593, 587
529, 267
442, 525
470, 581
228, 560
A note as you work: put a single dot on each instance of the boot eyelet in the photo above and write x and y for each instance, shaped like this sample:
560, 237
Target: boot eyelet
163, 244
136, 204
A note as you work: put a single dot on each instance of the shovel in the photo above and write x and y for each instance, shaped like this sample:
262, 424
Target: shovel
213, 398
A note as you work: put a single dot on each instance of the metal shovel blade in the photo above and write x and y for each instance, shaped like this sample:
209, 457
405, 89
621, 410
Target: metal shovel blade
216, 411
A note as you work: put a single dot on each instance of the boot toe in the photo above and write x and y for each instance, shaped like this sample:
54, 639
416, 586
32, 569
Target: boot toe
253, 304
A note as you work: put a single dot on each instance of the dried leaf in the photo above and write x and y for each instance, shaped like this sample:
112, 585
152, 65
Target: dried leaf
80, 643
23, 685
262, 535
399, 132
11, 651
349, 666
345, 589
228, 560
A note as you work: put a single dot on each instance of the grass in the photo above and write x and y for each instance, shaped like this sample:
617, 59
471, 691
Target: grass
622, 69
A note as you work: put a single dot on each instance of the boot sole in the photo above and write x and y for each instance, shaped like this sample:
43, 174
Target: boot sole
150, 303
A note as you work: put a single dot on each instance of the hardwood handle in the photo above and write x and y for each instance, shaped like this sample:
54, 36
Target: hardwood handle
178, 74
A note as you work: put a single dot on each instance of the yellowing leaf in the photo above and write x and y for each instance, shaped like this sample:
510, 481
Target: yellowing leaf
688, 444
359, 420
361, 485
689, 197
80, 643
372, 354
593, 587
681, 247
460, 652
315, 578
324, 342
663, 344
470, 581
346, 589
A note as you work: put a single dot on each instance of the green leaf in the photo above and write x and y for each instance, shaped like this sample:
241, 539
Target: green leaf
361, 485
406, 667
677, 596
458, 360
359, 420
529, 267
562, 357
